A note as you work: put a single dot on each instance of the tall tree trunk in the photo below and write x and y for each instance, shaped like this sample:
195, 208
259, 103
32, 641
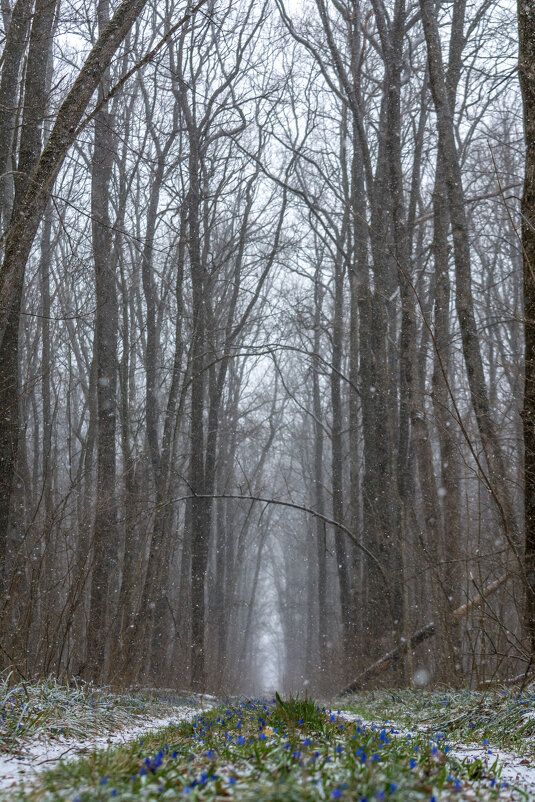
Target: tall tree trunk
25, 223
35, 102
337, 454
319, 503
448, 550
199, 534
526, 27
105, 536
497, 469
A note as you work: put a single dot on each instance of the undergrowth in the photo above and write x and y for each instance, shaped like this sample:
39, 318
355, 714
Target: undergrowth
503, 717
53, 710
270, 750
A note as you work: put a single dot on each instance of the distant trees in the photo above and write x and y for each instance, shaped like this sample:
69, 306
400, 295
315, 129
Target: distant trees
260, 252
408, 421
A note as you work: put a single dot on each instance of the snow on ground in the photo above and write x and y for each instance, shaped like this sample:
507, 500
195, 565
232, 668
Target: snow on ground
39, 755
513, 770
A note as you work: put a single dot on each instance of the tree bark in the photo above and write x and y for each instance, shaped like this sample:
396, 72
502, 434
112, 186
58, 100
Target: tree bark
319, 504
105, 536
35, 102
526, 27
464, 298
21, 233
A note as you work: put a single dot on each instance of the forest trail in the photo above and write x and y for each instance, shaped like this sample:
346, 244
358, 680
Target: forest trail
40, 754
403, 762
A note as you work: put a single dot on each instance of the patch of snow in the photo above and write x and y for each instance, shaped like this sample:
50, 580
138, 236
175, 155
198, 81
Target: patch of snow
514, 770
40, 755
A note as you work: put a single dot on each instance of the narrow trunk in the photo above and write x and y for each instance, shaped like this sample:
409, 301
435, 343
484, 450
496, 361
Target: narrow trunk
526, 25
105, 536
319, 503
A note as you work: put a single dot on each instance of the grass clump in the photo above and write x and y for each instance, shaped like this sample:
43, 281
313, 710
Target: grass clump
279, 749
500, 716
53, 710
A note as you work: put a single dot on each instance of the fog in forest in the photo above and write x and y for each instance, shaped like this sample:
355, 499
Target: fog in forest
263, 286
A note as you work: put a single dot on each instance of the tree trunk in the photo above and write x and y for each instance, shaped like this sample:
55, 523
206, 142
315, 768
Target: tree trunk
105, 536
497, 477
199, 534
35, 102
23, 227
319, 504
526, 27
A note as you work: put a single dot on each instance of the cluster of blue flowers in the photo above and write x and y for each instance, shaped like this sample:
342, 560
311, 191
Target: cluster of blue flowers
365, 744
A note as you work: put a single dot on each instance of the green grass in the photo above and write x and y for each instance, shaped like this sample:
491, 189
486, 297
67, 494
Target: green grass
503, 717
53, 710
271, 750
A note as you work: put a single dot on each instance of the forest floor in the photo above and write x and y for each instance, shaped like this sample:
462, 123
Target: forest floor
82, 745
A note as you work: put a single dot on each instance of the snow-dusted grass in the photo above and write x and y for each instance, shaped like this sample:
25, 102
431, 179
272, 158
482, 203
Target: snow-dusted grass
503, 717
271, 750
41, 753
52, 710
407, 745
